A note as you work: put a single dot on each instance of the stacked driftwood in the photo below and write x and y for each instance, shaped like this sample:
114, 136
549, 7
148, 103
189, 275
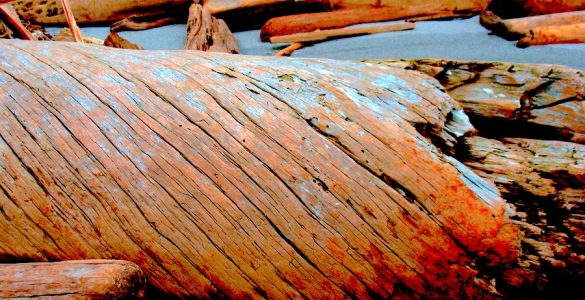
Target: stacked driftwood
537, 22
531, 124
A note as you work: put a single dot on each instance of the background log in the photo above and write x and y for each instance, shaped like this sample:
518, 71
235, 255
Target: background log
522, 8
84, 279
225, 175
560, 34
520, 27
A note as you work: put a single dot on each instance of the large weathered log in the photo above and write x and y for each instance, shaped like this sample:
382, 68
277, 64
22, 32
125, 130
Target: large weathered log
475, 5
522, 8
561, 34
395, 10
49, 12
206, 33
242, 176
84, 279
536, 101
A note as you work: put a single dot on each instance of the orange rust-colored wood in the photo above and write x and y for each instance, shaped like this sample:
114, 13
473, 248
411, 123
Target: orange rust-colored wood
475, 5
522, 8
559, 34
341, 18
520, 27
10, 16
82, 279
237, 176
341, 32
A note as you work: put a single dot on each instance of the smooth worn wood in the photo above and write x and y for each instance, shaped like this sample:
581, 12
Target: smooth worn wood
318, 21
114, 40
476, 5
49, 12
341, 32
206, 33
288, 51
8, 15
144, 22
522, 8
81, 279
534, 101
252, 14
520, 27
236, 176
560, 34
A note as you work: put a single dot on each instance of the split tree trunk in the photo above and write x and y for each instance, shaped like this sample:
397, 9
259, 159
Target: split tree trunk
83, 279
206, 33
224, 175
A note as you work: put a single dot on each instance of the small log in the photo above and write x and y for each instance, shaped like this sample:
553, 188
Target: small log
81, 279
520, 27
561, 34
143, 22
114, 40
522, 8
342, 18
76, 33
252, 14
8, 14
206, 33
320, 35
290, 49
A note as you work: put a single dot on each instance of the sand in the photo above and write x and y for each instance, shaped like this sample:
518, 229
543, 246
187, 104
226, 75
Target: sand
457, 39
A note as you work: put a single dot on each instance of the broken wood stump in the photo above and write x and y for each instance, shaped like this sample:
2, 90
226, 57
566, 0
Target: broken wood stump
232, 176
81, 279
206, 33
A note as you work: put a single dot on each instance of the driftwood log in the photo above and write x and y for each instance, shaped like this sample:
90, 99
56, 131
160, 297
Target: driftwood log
252, 14
559, 34
395, 10
206, 33
84, 279
321, 35
50, 12
522, 8
542, 177
515, 29
223, 175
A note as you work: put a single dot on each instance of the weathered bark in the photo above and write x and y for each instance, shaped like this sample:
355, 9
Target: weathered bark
514, 29
242, 176
545, 181
206, 33
341, 32
252, 14
341, 18
522, 8
84, 279
49, 12
537, 101
114, 40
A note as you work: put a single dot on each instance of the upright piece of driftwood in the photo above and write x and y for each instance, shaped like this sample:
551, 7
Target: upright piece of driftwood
225, 175
82, 279
393, 11
537, 172
49, 12
206, 33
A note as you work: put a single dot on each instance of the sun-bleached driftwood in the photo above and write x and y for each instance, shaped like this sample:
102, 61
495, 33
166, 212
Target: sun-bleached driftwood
206, 33
559, 34
82, 279
237, 176
50, 12
288, 51
522, 8
321, 35
542, 177
520, 27
340, 18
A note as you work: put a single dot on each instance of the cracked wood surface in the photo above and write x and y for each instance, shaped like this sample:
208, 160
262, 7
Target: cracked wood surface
84, 279
224, 175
